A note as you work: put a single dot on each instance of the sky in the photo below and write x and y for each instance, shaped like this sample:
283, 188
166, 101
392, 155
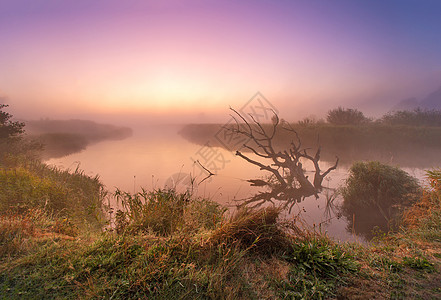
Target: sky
191, 60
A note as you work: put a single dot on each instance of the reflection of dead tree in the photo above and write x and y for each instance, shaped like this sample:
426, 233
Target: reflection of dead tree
208, 171
287, 180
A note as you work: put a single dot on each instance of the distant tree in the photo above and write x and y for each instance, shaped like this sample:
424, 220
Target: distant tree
346, 116
8, 128
416, 117
12, 140
311, 120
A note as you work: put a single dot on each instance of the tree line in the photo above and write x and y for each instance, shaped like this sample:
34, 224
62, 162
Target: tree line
350, 116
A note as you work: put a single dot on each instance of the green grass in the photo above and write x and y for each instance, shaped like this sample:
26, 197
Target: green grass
29, 184
167, 245
170, 250
139, 266
164, 245
165, 212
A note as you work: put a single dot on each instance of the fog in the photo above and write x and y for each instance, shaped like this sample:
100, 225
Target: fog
116, 83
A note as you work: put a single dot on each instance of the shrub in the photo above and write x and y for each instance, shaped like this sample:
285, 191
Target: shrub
348, 116
375, 194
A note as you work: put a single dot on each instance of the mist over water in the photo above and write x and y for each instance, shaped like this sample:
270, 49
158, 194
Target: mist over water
156, 155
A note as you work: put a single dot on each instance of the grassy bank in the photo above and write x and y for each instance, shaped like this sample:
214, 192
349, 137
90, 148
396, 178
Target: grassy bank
167, 245
29, 184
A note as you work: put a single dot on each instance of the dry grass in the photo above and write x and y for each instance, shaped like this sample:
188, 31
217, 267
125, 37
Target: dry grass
20, 232
252, 255
255, 229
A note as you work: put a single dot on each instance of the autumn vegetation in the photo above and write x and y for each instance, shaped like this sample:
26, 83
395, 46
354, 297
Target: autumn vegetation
59, 239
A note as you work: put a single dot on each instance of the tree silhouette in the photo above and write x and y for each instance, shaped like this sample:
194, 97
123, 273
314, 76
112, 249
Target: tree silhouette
8, 128
287, 180
346, 116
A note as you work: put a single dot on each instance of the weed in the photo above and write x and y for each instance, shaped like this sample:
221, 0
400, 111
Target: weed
418, 263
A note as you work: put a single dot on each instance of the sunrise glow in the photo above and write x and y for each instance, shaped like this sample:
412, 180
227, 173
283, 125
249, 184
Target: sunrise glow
76, 57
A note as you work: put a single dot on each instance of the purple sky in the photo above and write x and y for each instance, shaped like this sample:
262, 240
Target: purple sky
64, 59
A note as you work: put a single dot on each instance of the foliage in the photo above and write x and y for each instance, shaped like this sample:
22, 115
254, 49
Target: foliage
27, 183
175, 246
309, 121
375, 194
12, 141
21, 187
319, 255
346, 116
64, 137
434, 177
8, 128
417, 117
126, 267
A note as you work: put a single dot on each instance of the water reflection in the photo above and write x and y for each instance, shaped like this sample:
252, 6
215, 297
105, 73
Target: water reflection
154, 155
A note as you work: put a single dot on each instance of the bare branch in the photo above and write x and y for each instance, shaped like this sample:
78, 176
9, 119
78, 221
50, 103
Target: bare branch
209, 172
290, 183
263, 167
331, 168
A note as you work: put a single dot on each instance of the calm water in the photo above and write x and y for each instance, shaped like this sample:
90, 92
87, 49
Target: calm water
156, 156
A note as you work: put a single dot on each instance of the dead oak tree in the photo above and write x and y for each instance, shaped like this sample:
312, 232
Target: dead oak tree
287, 180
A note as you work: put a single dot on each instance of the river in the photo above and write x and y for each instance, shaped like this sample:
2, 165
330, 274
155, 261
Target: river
156, 156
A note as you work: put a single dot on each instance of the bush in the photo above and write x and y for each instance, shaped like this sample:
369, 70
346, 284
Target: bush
375, 194
348, 116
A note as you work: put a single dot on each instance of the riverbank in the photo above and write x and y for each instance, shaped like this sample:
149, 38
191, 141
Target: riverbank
406, 146
64, 137
178, 246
